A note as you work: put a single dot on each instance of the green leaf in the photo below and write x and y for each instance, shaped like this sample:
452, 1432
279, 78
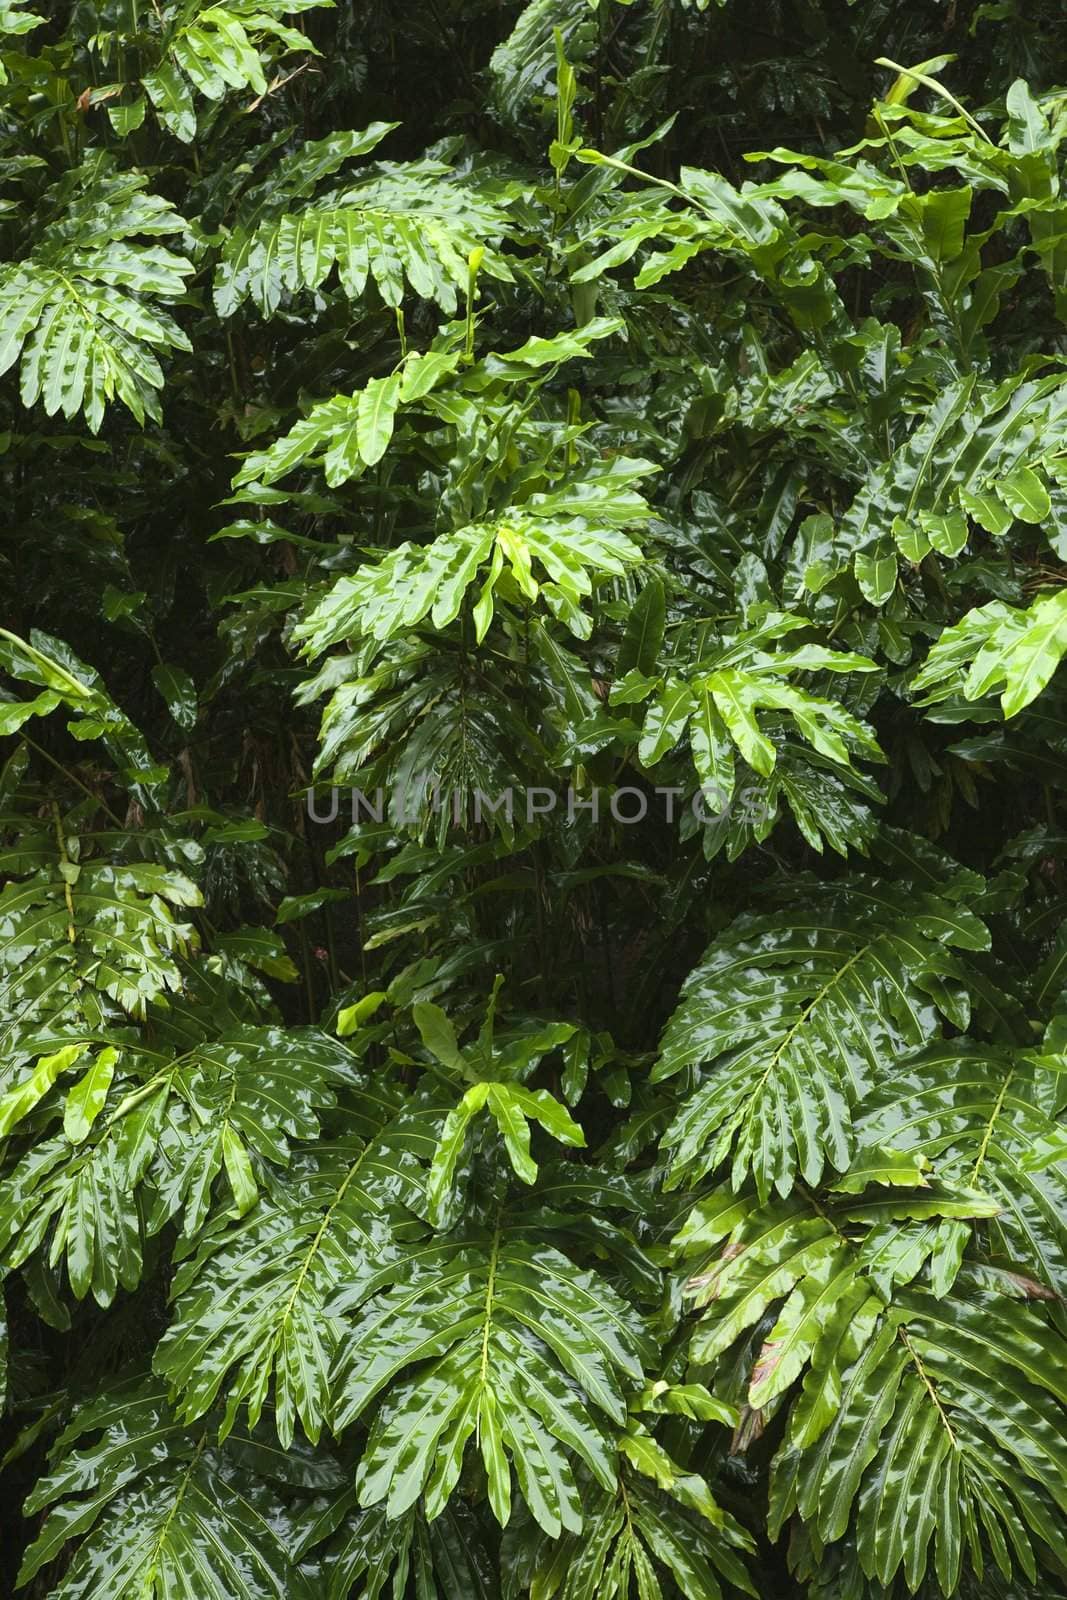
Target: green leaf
178, 692
438, 1035
947, 533
562, 346
249, 1304
259, 948
712, 752
734, 696
666, 719
442, 1177
929, 1417
15, 712
293, 907
351, 1018
170, 95
776, 1017
422, 373
151, 1501
403, 227
986, 510
639, 650
86, 1100
1025, 495
539, 1106
239, 1171
555, 530
997, 646
876, 572
943, 216
126, 119
488, 1314
17, 1103
979, 1114
513, 1129
91, 326
375, 415
1028, 129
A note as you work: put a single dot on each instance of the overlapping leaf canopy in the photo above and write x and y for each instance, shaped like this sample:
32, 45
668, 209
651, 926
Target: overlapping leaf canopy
532, 750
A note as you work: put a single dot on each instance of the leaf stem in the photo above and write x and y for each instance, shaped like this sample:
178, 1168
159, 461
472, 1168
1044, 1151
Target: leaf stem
991, 1124
489, 1294
928, 1385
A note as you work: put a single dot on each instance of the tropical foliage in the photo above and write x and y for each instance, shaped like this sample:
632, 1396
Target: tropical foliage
533, 893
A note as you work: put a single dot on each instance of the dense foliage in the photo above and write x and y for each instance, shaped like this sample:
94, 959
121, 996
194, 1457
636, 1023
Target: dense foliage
533, 875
